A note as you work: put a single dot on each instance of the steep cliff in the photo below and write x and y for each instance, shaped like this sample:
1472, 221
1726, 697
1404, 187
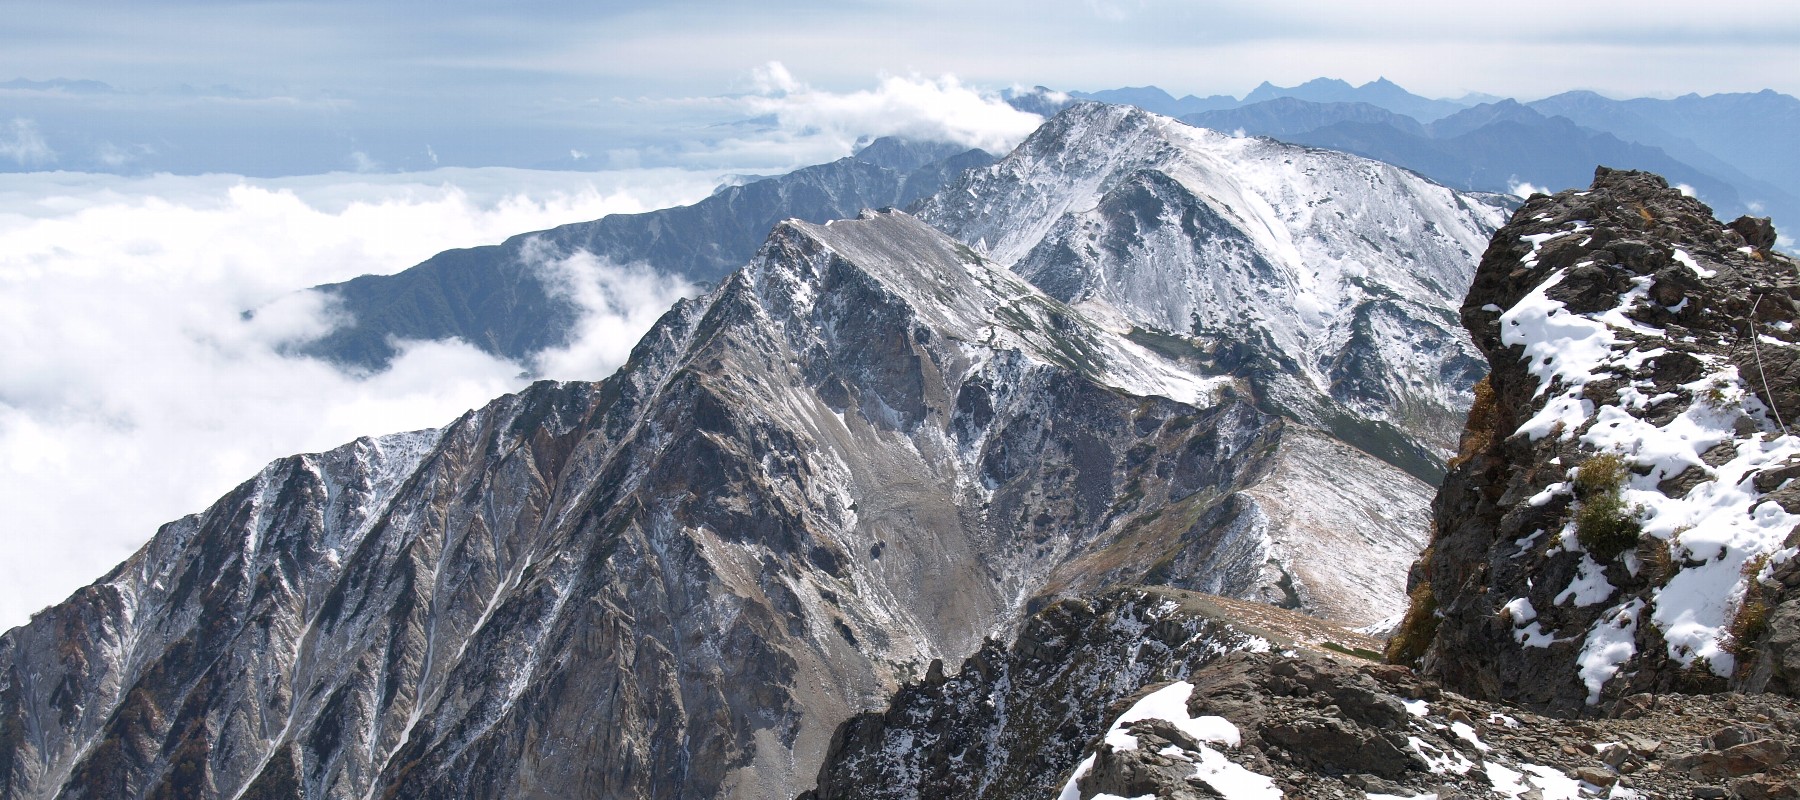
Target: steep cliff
1621, 517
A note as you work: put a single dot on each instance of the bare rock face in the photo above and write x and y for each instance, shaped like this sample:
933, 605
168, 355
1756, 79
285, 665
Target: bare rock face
868, 451
1621, 517
1155, 692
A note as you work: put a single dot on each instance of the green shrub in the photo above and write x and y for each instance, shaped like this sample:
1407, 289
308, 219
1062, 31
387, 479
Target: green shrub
1601, 474
1603, 523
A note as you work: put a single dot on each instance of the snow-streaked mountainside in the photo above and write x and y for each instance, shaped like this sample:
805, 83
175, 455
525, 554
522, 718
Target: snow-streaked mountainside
867, 450
873, 447
1328, 281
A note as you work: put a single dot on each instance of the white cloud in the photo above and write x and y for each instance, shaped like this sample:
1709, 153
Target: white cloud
1116, 10
21, 142
114, 156
818, 124
135, 392
619, 304
1519, 188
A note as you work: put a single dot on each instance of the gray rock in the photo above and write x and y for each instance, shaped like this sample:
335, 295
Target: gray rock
1633, 225
679, 551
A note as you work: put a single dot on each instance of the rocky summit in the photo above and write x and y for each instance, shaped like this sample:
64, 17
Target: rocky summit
1148, 692
1621, 516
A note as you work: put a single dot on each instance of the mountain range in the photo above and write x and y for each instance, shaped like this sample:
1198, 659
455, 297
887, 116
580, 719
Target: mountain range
884, 440
508, 300
1732, 150
1074, 476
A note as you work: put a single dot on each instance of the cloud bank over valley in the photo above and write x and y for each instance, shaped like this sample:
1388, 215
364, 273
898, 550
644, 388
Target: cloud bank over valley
136, 391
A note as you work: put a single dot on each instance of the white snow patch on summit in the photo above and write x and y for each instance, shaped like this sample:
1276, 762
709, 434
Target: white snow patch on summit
1169, 703
1563, 349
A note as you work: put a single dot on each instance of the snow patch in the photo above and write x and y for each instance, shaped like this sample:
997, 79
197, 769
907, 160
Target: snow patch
1169, 703
1562, 349
1689, 262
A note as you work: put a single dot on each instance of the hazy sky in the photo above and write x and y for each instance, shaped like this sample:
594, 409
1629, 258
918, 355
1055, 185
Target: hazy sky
131, 389
409, 85
573, 51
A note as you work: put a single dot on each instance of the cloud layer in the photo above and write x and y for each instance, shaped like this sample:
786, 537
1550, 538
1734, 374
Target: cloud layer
135, 392
913, 106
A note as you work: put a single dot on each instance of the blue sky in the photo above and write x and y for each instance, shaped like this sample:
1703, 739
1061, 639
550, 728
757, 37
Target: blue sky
312, 85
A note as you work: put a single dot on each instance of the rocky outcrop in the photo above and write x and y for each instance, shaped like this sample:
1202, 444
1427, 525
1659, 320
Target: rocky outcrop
1017, 717
1310, 726
1621, 517
1153, 692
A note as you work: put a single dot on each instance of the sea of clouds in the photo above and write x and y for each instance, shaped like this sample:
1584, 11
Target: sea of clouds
134, 390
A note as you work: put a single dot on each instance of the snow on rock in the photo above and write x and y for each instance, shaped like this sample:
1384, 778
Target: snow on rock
1563, 350
1627, 329
1344, 271
1227, 778
1170, 703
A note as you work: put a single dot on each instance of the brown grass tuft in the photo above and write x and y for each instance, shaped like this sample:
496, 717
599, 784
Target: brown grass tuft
1751, 619
1479, 434
1418, 628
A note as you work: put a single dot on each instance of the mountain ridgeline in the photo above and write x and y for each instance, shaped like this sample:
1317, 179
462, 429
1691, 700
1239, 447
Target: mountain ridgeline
1130, 352
506, 300
1608, 606
1732, 150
